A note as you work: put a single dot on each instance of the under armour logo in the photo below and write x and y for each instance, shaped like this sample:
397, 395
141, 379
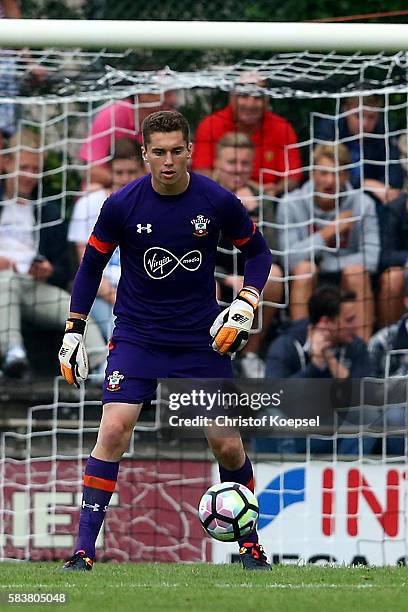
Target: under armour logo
159, 262
144, 228
95, 507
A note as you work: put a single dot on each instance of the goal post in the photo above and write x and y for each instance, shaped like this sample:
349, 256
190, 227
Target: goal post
272, 36
350, 511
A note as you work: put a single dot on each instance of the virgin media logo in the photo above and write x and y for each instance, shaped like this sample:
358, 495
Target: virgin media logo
159, 262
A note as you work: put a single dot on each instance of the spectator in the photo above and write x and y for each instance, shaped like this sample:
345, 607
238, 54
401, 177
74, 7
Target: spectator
403, 149
120, 119
391, 338
374, 154
33, 258
10, 74
393, 257
9, 82
10, 9
127, 165
326, 228
324, 345
233, 167
271, 134
388, 350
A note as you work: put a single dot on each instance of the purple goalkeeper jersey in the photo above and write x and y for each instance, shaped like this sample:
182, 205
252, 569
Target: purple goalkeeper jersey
168, 244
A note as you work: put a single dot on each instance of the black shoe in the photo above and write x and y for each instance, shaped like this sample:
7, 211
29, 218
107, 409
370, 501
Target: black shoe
253, 557
79, 563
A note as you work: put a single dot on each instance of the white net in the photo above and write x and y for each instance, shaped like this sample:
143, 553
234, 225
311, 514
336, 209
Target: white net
152, 514
361, 504
297, 74
314, 508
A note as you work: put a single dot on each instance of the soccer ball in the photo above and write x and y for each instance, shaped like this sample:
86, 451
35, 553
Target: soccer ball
228, 511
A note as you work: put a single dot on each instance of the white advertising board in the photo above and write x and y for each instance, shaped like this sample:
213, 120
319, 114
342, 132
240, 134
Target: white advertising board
319, 512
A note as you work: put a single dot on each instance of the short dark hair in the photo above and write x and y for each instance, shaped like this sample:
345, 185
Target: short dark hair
326, 301
128, 148
165, 121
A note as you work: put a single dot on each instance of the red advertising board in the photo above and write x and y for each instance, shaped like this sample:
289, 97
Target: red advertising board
152, 517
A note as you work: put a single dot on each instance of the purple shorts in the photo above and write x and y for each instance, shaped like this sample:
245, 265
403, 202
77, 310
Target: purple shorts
132, 370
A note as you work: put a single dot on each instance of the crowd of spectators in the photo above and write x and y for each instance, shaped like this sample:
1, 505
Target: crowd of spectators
126, 165
34, 268
338, 233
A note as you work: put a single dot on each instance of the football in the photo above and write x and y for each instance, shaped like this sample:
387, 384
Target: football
228, 511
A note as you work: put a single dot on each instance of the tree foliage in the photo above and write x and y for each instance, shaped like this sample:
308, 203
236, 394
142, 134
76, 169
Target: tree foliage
215, 10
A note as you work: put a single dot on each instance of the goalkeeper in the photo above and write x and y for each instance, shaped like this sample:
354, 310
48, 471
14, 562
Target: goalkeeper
168, 325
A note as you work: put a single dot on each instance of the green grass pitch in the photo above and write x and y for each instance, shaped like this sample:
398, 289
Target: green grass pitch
208, 588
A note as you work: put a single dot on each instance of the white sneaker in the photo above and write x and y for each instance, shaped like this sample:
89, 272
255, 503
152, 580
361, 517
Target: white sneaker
252, 366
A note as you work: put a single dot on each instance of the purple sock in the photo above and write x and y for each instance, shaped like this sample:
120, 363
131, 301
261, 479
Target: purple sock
245, 476
99, 483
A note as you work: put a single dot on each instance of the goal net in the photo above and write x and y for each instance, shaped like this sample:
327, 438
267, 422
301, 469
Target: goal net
340, 127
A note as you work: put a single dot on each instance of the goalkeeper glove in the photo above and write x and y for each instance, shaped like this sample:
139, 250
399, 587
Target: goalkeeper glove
230, 330
72, 355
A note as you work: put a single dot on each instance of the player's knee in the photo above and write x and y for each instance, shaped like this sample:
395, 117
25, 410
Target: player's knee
114, 435
229, 452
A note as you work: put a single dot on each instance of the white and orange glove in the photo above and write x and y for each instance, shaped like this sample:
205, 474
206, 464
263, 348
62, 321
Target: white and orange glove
230, 330
72, 354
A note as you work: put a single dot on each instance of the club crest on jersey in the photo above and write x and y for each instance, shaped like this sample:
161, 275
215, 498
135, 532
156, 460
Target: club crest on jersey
200, 224
114, 381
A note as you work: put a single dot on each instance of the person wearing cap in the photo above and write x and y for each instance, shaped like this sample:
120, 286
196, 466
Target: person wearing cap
273, 136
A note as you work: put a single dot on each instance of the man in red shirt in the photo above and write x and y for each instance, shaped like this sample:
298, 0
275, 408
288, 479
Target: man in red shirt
271, 134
